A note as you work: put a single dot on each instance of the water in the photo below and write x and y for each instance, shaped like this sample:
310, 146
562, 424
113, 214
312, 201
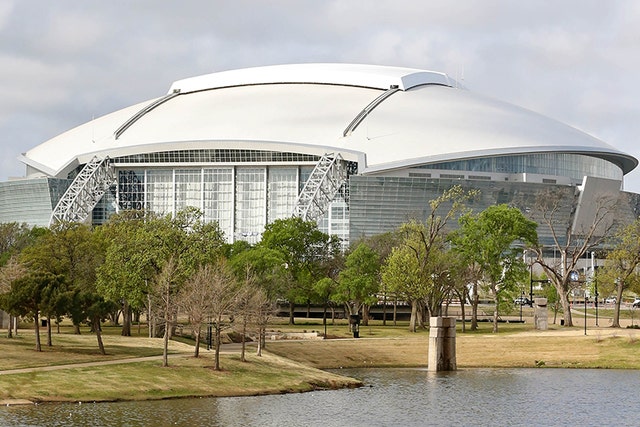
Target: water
408, 397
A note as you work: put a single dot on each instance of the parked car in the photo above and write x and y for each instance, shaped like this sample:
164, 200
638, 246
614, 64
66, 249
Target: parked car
521, 301
636, 303
611, 300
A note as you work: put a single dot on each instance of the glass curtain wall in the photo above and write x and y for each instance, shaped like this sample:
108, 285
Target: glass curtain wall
241, 199
282, 192
188, 188
218, 198
160, 191
251, 206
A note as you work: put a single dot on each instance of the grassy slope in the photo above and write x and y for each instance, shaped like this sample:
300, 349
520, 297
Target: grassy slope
289, 366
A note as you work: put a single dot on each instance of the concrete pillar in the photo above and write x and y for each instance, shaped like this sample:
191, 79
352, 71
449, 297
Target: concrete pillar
442, 344
540, 315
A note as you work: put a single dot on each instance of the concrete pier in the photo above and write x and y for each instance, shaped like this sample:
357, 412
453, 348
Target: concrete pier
442, 344
541, 315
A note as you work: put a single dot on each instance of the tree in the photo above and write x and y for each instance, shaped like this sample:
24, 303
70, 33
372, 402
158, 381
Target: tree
195, 299
224, 296
28, 295
143, 244
304, 248
13, 238
570, 242
163, 290
72, 251
488, 239
359, 282
13, 270
621, 267
421, 255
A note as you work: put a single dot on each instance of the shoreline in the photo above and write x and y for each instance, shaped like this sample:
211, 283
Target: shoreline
294, 366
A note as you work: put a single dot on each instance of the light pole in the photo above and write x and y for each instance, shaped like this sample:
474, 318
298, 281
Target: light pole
521, 301
595, 281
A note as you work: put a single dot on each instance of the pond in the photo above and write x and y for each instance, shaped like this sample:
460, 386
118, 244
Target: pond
409, 397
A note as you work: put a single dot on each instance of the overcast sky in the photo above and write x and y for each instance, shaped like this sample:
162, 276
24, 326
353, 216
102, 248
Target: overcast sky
63, 62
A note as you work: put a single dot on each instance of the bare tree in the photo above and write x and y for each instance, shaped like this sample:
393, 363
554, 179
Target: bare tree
224, 297
195, 299
164, 291
572, 237
262, 308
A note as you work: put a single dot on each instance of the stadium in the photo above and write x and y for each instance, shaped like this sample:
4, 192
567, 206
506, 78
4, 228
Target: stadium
358, 148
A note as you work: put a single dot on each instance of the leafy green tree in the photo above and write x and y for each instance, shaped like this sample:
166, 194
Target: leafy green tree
488, 239
417, 269
28, 295
402, 274
268, 267
11, 271
142, 244
359, 283
304, 249
13, 238
621, 268
71, 251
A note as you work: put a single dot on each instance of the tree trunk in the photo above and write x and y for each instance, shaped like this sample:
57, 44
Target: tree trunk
395, 311
49, 341
165, 347
414, 316
292, 308
616, 311
9, 330
260, 341
126, 320
196, 333
37, 324
474, 307
495, 315
365, 315
244, 334
96, 327
566, 308
217, 346
463, 314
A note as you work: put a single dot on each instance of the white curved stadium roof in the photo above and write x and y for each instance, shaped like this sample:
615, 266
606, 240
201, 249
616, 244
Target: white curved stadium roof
383, 117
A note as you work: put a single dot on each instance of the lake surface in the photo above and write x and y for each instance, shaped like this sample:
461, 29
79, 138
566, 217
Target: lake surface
391, 397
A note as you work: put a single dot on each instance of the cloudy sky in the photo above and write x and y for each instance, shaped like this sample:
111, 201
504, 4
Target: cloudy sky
63, 62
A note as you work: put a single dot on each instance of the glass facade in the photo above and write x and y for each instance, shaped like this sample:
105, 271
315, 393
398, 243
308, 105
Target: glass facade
570, 165
379, 204
251, 206
283, 191
242, 199
218, 197
242, 190
30, 201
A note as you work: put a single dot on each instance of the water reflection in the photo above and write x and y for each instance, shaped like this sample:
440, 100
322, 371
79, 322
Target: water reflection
410, 397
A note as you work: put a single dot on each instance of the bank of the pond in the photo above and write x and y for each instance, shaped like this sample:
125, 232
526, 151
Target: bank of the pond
604, 348
74, 372
185, 377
